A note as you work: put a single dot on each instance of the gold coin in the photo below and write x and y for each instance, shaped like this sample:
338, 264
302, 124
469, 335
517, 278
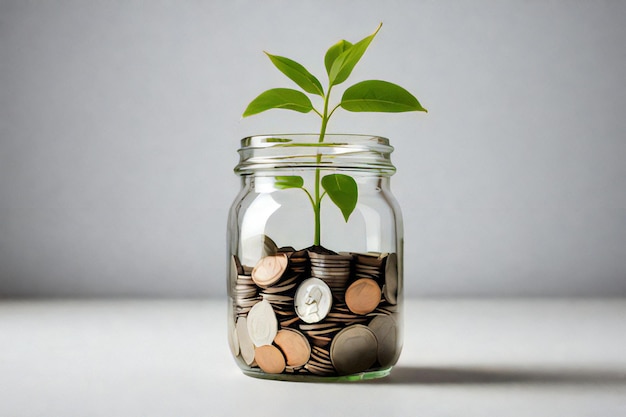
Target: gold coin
363, 296
353, 350
269, 269
270, 359
294, 345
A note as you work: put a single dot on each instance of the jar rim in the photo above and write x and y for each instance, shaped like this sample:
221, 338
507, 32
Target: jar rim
312, 139
356, 152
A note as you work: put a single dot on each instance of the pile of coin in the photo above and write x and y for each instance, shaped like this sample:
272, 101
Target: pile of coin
244, 291
281, 293
315, 312
332, 268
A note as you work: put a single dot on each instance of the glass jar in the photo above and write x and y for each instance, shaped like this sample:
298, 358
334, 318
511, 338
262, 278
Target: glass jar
315, 245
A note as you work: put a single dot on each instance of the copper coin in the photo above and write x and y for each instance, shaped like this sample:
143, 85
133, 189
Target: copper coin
363, 296
270, 359
353, 350
294, 345
269, 269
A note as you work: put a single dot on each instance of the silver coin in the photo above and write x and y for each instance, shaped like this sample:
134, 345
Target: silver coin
313, 300
246, 347
262, 323
391, 279
354, 349
385, 329
233, 341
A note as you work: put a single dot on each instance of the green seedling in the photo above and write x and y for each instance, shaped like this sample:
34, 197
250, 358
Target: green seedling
365, 96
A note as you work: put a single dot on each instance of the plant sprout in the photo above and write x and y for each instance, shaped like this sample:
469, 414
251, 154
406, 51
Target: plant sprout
365, 96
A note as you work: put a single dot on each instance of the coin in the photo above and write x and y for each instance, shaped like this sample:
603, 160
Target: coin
369, 259
233, 341
353, 350
270, 359
269, 269
246, 347
363, 295
235, 270
289, 321
294, 345
313, 300
391, 278
320, 363
262, 323
385, 329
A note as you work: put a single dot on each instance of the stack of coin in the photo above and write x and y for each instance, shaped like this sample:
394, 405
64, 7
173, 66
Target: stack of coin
332, 268
244, 291
298, 261
370, 265
281, 299
315, 312
341, 314
320, 334
320, 363
381, 267
281, 293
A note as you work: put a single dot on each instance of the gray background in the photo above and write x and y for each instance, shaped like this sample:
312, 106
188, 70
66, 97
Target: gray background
119, 124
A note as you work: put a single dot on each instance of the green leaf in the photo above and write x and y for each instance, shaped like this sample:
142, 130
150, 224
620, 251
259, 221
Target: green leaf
379, 96
298, 74
342, 189
279, 98
344, 63
334, 51
289, 181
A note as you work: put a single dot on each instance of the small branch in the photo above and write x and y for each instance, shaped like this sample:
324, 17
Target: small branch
310, 197
333, 110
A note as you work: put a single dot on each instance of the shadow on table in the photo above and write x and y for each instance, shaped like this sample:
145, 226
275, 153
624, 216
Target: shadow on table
405, 375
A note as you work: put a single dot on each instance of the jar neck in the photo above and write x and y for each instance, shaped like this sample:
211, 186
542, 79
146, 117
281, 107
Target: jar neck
273, 154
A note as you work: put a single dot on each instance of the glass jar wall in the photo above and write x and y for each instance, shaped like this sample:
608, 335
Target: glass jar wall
315, 259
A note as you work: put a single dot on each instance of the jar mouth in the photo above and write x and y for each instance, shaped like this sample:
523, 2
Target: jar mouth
357, 152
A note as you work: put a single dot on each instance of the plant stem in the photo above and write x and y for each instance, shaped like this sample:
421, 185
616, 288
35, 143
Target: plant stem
318, 198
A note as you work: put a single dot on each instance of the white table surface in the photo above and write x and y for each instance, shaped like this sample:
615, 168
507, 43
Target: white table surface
170, 358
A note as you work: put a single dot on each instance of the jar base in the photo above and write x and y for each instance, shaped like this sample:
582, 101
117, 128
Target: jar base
361, 376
